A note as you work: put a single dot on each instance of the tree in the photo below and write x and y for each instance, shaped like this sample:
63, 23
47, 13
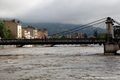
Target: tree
95, 33
2, 29
85, 35
102, 35
4, 33
63, 37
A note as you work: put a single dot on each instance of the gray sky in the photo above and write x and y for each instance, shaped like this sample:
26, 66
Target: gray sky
60, 11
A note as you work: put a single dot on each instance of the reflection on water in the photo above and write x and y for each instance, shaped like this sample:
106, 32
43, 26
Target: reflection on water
58, 63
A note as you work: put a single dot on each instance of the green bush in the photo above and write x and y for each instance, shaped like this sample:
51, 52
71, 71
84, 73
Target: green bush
4, 33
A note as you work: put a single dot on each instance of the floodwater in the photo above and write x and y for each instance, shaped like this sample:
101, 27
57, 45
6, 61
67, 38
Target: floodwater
58, 63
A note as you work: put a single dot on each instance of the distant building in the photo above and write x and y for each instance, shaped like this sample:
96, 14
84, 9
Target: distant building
76, 35
15, 27
25, 33
42, 33
31, 31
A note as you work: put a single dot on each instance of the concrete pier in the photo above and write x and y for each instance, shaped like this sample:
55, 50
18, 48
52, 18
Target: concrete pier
111, 49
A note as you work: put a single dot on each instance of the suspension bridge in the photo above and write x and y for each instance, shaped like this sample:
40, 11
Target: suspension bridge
111, 42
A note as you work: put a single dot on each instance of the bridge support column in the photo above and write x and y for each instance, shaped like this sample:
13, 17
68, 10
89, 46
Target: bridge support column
111, 49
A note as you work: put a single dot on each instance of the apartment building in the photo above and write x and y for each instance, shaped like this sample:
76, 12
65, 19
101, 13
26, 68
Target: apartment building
29, 32
25, 33
42, 33
15, 27
76, 35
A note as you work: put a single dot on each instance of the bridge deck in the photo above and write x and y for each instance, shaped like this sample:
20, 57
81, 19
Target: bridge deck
50, 41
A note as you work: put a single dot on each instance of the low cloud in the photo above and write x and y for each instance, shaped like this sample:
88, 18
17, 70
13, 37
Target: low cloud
60, 11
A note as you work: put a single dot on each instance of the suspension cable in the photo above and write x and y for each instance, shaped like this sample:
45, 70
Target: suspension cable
95, 29
116, 22
85, 27
77, 27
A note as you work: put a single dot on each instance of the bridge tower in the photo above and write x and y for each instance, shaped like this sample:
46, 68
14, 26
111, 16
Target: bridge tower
110, 47
109, 26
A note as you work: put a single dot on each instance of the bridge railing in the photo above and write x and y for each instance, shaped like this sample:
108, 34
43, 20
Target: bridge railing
52, 41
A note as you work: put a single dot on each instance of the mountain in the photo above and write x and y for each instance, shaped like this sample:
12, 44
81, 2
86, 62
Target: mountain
58, 27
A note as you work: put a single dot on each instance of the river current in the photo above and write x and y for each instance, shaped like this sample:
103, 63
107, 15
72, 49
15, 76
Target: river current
58, 63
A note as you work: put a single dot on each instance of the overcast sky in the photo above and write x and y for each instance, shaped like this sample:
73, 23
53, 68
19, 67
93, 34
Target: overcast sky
60, 11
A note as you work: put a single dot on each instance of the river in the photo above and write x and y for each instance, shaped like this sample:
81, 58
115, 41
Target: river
58, 63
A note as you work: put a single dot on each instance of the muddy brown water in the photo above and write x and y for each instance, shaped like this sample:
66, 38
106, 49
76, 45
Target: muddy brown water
58, 63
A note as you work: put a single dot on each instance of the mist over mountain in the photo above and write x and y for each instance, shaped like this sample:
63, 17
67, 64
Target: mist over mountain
58, 27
